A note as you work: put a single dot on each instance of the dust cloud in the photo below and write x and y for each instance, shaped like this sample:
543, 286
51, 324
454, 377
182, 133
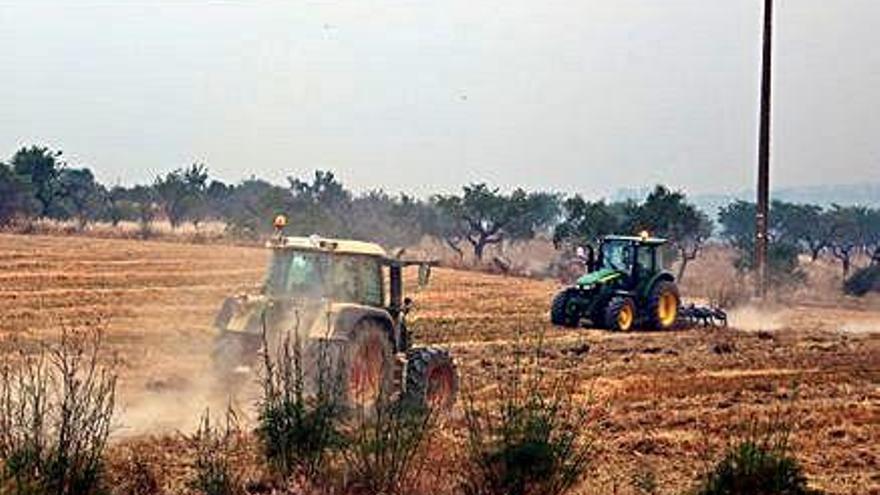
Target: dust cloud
755, 319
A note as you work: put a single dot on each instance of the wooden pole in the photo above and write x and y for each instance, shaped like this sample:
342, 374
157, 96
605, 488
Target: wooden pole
762, 219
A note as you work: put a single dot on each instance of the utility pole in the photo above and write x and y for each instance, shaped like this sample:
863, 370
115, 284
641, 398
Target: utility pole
763, 210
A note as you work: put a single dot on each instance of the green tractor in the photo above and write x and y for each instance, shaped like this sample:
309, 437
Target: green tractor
625, 287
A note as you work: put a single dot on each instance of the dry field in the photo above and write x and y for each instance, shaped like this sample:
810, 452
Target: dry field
663, 401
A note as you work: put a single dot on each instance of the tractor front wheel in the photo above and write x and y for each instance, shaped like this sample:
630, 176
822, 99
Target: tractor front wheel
620, 314
663, 303
431, 378
559, 311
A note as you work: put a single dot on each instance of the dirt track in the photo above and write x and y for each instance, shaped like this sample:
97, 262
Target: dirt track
663, 397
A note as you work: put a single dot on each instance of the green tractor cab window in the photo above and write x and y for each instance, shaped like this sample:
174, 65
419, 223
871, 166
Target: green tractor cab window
617, 255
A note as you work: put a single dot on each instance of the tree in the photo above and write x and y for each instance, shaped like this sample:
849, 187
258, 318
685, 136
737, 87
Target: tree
391, 221
180, 192
79, 196
483, 217
321, 205
847, 235
802, 224
667, 214
738, 224
39, 167
118, 206
217, 197
533, 213
253, 204
870, 227
585, 221
15, 195
738, 228
143, 202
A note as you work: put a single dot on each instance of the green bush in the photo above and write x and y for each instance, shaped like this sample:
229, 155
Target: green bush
298, 430
528, 441
863, 281
760, 463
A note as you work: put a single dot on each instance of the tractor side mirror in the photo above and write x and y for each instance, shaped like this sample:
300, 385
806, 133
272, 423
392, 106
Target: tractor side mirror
424, 275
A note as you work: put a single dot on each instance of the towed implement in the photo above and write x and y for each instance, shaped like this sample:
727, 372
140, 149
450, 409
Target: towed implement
343, 300
625, 287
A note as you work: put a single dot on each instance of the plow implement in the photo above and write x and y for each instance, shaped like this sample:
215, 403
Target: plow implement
692, 315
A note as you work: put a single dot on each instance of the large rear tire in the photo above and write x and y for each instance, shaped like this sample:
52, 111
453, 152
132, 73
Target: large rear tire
559, 310
431, 378
663, 304
620, 314
359, 367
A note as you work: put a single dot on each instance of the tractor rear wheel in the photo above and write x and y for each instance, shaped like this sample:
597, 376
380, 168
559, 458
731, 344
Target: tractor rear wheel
357, 366
431, 378
663, 303
620, 314
559, 314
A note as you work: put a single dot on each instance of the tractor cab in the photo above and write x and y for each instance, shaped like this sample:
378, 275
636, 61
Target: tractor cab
630, 256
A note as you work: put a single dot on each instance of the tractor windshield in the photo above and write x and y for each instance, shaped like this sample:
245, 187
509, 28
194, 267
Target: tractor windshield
617, 255
342, 278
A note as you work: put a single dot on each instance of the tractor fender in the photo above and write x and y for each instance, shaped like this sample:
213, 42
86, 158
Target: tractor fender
241, 314
662, 276
340, 319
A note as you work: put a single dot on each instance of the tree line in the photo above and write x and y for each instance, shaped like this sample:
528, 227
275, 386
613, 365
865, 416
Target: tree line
37, 183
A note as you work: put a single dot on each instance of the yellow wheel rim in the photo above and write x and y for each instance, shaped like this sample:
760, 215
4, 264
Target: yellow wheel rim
667, 309
625, 317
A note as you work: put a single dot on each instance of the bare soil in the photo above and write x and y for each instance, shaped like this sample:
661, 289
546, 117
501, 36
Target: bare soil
665, 402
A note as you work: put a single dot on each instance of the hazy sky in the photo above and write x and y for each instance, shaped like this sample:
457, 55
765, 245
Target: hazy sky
578, 95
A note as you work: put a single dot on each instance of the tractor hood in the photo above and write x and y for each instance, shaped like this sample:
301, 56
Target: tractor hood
602, 276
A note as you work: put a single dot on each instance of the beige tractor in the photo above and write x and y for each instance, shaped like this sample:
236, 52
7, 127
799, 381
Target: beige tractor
344, 301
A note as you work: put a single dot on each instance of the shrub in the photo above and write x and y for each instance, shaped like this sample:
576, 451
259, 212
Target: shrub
759, 463
863, 281
528, 441
214, 446
56, 407
384, 449
297, 430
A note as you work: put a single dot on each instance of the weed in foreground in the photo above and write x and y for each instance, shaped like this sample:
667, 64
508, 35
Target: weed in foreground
133, 475
385, 448
298, 429
214, 474
760, 462
56, 408
529, 440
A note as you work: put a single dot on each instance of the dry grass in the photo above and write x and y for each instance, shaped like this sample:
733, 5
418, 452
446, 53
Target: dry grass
205, 232
661, 399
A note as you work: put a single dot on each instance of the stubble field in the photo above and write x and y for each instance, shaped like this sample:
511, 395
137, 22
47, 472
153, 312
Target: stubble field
663, 402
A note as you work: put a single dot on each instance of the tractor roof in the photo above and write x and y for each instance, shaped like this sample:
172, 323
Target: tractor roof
651, 241
325, 245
